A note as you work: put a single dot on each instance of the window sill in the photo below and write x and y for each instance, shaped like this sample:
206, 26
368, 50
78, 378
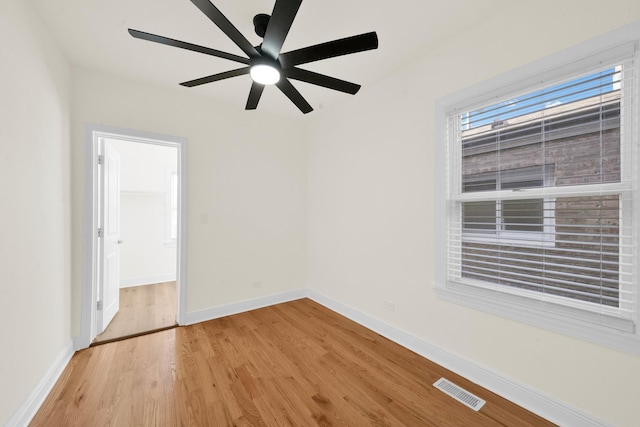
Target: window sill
575, 323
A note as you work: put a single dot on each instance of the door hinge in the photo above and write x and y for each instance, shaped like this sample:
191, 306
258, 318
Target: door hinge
99, 305
100, 159
99, 232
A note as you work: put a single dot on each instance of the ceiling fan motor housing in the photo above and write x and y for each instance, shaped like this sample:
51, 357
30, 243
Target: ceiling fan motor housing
260, 23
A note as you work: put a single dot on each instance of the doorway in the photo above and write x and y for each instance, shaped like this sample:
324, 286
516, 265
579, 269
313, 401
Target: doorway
135, 234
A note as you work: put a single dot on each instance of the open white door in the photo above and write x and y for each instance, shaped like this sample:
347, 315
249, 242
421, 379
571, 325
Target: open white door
109, 287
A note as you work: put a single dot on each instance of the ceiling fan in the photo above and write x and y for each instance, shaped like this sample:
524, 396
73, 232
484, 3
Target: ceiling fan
265, 63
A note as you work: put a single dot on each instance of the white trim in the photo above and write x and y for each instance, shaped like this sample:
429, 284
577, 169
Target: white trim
546, 192
242, 306
149, 280
542, 239
181, 262
533, 400
168, 200
89, 247
90, 241
30, 406
612, 333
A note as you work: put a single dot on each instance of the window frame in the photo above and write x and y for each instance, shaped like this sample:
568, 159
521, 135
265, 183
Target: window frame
567, 319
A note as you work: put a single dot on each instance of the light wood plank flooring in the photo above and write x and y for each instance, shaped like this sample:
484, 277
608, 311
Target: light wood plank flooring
142, 309
293, 364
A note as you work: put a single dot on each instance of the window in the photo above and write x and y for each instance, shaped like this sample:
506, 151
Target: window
537, 211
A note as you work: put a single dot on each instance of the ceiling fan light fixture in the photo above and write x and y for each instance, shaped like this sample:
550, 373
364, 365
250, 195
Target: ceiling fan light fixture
266, 63
264, 74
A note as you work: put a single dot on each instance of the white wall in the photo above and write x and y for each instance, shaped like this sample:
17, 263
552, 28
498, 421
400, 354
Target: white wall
35, 259
146, 254
246, 175
371, 213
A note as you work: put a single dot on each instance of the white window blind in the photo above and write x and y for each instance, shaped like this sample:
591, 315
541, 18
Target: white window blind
541, 190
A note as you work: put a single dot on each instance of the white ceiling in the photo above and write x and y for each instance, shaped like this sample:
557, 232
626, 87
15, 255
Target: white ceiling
93, 34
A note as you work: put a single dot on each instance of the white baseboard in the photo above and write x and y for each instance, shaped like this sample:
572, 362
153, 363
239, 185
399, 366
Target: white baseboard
29, 407
242, 306
539, 403
139, 281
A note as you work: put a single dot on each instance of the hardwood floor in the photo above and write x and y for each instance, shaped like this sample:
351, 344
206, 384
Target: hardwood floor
292, 364
142, 309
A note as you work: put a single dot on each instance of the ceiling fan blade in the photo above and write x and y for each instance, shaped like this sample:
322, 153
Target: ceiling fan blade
216, 77
188, 46
226, 26
284, 12
254, 96
353, 44
322, 80
292, 93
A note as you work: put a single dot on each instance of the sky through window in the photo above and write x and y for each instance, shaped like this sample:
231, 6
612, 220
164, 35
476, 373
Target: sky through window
564, 93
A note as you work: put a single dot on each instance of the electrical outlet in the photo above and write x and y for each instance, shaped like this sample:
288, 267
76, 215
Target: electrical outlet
388, 305
256, 285
204, 218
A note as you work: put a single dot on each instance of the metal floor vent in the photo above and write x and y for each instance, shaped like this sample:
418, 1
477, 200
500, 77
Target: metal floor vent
460, 394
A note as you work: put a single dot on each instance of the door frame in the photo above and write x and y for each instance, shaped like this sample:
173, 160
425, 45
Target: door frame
90, 263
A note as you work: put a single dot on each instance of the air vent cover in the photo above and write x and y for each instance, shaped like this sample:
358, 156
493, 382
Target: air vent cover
460, 394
